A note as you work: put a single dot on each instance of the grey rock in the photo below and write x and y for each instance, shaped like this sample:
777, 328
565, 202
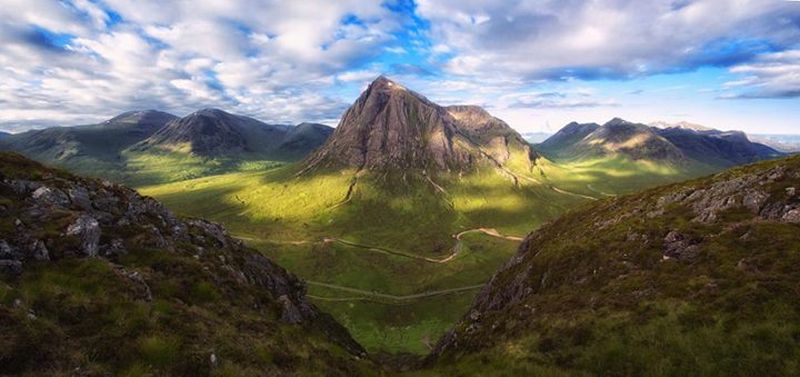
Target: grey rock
5, 250
115, 248
791, 192
10, 267
23, 187
87, 229
290, 314
39, 251
51, 196
754, 199
792, 216
80, 198
679, 246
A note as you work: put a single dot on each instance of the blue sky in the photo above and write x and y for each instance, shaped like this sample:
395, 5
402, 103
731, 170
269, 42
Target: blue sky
539, 64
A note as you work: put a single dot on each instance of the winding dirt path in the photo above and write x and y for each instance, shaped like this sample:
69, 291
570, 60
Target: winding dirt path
455, 250
365, 294
589, 186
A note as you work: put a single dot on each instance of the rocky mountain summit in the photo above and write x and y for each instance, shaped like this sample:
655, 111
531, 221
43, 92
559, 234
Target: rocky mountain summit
390, 127
80, 259
637, 283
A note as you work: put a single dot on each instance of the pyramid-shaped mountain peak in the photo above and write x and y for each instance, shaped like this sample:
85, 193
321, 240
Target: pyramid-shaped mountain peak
390, 127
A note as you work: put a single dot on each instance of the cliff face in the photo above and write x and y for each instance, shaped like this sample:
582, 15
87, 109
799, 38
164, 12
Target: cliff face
492, 134
74, 251
390, 127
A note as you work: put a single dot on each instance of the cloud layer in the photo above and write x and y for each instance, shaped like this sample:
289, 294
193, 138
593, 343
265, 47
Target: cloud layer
79, 61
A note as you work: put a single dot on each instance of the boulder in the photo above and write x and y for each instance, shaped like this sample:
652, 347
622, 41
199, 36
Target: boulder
87, 229
51, 197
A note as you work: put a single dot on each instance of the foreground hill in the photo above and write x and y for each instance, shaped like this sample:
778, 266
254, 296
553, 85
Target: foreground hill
677, 144
98, 280
695, 278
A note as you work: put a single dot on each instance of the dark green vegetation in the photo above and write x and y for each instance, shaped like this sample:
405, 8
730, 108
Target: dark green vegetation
97, 280
692, 279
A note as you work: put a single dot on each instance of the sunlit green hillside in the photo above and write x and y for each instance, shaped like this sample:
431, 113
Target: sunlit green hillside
380, 251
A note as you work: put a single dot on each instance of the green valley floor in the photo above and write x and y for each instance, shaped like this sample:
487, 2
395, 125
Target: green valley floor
397, 260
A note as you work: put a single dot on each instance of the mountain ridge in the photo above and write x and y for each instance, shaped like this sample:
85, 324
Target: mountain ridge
660, 141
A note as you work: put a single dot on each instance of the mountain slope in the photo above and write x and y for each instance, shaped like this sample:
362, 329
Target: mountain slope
97, 280
492, 134
722, 148
300, 140
101, 142
391, 128
615, 137
567, 136
695, 278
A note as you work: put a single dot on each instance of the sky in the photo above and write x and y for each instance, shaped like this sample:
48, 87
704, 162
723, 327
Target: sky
538, 64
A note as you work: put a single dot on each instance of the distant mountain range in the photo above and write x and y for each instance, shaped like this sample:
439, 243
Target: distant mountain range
213, 132
675, 143
207, 133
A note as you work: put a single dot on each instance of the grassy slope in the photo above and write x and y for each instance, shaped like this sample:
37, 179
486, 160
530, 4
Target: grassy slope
89, 312
412, 218
605, 302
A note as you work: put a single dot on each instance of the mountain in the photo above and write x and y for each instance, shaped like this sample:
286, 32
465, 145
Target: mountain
671, 142
4, 135
566, 137
721, 148
98, 280
213, 132
147, 147
694, 278
304, 138
391, 128
101, 142
616, 137
490, 133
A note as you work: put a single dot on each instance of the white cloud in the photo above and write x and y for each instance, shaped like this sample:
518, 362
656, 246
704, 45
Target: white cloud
262, 58
618, 38
775, 75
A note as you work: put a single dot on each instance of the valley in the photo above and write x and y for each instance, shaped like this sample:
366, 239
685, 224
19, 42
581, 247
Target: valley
404, 211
